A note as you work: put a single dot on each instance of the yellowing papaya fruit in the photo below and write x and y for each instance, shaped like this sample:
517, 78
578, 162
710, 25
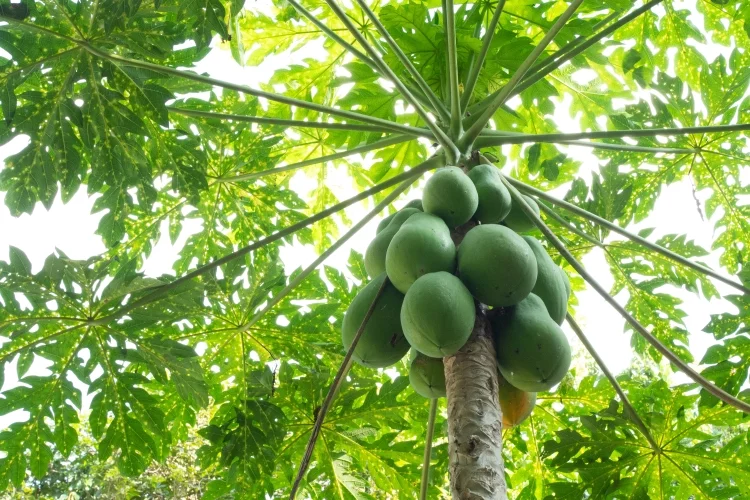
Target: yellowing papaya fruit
422, 245
427, 376
494, 198
438, 315
517, 219
496, 265
383, 342
450, 195
515, 405
550, 284
533, 353
375, 253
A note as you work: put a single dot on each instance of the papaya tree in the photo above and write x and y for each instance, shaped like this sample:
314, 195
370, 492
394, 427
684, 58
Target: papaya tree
271, 126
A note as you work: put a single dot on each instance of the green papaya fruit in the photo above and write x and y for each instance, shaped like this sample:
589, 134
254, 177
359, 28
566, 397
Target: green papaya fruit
515, 405
516, 218
412, 204
450, 195
384, 223
566, 282
415, 204
422, 245
438, 315
494, 197
427, 376
413, 353
496, 265
532, 352
375, 253
550, 285
383, 342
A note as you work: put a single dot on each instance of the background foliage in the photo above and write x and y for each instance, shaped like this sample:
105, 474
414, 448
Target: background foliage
102, 124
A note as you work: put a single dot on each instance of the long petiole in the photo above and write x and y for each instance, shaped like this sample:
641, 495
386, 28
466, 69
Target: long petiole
569, 46
159, 292
492, 138
429, 433
634, 323
355, 127
333, 36
343, 43
558, 59
440, 136
471, 80
540, 73
476, 128
383, 143
351, 115
332, 391
612, 380
436, 104
594, 145
455, 98
301, 276
633, 237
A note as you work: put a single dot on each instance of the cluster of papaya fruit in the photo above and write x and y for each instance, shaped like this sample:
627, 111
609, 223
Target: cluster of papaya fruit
435, 288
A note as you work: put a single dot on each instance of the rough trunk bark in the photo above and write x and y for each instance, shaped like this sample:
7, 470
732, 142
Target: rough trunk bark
477, 471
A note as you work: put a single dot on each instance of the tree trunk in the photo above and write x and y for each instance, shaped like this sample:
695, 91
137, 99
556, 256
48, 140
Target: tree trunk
477, 471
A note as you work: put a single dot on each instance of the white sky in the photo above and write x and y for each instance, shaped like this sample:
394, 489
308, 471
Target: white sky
71, 228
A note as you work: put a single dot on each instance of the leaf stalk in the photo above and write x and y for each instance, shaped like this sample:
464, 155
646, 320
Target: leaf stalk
634, 323
337, 380
428, 449
623, 232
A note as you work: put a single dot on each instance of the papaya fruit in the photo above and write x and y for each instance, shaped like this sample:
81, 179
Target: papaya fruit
421, 245
412, 204
533, 354
496, 265
438, 314
550, 285
494, 198
516, 218
413, 353
515, 405
427, 376
566, 282
383, 342
450, 195
375, 253
417, 203
384, 223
